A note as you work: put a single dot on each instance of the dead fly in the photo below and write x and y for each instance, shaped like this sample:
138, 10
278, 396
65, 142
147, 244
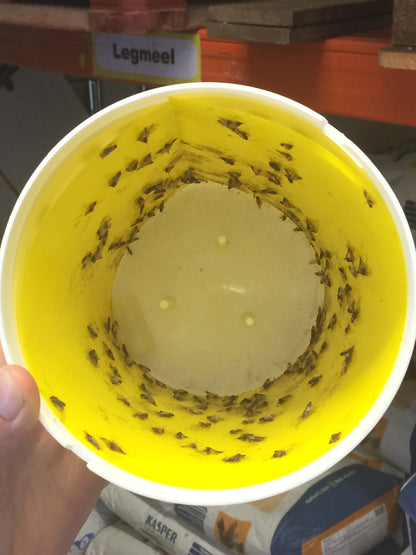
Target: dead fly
347, 329
147, 397
342, 272
335, 437
235, 458
268, 191
113, 446
274, 165
209, 395
268, 418
115, 377
102, 231
93, 357
140, 204
233, 126
324, 278
189, 176
251, 438
307, 411
180, 435
283, 217
158, 431
107, 324
108, 351
354, 310
273, 178
180, 394
129, 361
332, 321
268, 383
323, 347
236, 431
343, 293
117, 245
194, 411
254, 403
161, 206
256, 171
214, 419
285, 155
284, 399
57, 403
353, 271
167, 147
278, 454
205, 424
86, 260
90, 207
248, 421
108, 150
164, 414
229, 401
349, 257
114, 328
124, 401
133, 236
141, 415
92, 331
144, 135
148, 377
132, 166
347, 354
286, 202
368, 199
310, 226
92, 440
150, 213
234, 180
145, 161
362, 268
211, 451
228, 161
291, 175
190, 445
287, 146
113, 181
314, 381
258, 201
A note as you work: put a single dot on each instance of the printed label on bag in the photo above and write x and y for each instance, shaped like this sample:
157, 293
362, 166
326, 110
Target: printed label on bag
359, 536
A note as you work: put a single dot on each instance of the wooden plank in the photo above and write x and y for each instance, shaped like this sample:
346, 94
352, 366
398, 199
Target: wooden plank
404, 23
293, 13
43, 16
289, 35
398, 57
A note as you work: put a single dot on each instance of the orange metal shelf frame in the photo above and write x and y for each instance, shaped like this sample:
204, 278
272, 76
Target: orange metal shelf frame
338, 76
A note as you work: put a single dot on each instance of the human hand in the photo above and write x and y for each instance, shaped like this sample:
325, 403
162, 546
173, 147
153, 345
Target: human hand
46, 492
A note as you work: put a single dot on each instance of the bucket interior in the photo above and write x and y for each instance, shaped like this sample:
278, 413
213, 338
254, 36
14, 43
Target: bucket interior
326, 275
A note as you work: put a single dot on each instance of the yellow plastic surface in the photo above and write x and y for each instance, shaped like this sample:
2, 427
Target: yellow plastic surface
66, 265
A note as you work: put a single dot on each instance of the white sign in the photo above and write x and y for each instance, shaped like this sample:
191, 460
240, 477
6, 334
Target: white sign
171, 57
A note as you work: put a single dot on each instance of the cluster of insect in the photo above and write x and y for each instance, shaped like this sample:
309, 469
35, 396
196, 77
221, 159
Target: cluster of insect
268, 184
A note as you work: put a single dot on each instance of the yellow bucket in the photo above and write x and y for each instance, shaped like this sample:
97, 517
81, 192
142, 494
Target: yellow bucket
339, 289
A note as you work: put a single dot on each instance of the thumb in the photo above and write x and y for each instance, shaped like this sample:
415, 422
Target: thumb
19, 405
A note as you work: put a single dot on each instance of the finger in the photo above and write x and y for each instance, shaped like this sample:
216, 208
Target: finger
2, 357
19, 405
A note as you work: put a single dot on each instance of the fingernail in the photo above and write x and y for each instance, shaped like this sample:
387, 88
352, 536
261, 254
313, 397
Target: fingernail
11, 400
